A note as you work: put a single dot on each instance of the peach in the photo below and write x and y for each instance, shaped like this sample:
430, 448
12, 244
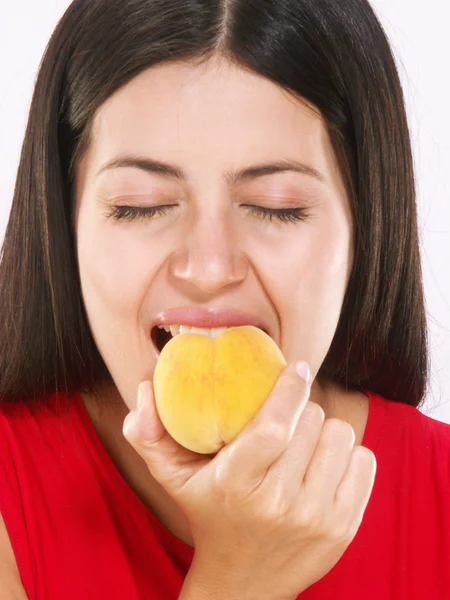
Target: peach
207, 390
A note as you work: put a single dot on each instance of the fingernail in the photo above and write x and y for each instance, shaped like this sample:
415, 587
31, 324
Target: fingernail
303, 370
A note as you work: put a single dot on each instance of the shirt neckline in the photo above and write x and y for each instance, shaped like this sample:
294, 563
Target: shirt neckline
375, 420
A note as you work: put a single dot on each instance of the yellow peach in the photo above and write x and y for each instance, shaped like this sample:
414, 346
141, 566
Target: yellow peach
207, 390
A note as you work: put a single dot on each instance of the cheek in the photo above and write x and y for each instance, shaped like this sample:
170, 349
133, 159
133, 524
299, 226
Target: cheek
310, 294
326, 273
113, 268
318, 265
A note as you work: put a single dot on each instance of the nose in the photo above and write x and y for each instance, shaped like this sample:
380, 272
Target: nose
209, 258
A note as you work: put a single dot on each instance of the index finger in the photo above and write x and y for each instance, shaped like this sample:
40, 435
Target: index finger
245, 461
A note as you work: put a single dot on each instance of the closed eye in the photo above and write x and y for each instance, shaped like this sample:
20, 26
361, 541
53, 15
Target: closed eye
132, 213
285, 215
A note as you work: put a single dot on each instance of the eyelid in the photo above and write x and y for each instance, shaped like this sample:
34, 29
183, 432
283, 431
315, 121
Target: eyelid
281, 215
135, 199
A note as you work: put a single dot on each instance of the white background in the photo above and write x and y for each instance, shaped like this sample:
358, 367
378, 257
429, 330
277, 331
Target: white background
419, 35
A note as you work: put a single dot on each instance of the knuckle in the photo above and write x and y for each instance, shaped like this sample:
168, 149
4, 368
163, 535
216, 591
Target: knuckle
271, 513
320, 526
313, 413
319, 523
288, 387
132, 434
222, 478
363, 467
354, 526
339, 432
271, 433
340, 529
309, 519
343, 531
365, 456
222, 487
339, 536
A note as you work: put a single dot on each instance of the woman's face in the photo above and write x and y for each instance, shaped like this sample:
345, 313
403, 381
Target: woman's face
208, 248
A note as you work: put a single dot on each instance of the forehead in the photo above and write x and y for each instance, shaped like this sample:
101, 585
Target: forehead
207, 89
208, 117
179, 98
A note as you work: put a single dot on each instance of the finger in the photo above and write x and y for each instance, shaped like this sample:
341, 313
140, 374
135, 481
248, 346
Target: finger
171, 464
245, 461
286, 474
329, 463
353, 493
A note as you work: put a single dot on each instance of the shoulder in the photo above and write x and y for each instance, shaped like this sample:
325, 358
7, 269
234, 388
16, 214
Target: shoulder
409, 420
24, 413
410, 437
435, 444
27, 430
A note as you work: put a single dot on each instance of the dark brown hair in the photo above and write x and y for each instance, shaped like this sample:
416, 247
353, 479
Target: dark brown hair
336, 56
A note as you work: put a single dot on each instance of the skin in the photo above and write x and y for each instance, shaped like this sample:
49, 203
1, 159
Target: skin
208, 249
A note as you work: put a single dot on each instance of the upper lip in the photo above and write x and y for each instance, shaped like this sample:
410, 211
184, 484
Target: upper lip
208, 317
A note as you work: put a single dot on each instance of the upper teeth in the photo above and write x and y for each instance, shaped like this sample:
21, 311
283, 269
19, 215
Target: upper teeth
211, 332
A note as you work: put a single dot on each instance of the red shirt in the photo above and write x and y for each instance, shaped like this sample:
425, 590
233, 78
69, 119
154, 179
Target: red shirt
79, 531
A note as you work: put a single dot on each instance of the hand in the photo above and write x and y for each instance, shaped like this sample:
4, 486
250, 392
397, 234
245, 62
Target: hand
273, 511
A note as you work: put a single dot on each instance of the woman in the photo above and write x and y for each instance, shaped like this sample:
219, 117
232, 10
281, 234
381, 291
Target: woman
216, 164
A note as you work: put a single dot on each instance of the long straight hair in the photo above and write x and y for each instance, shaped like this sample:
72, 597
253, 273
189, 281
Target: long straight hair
333, 54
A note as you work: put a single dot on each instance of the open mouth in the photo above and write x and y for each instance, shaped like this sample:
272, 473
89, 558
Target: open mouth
160, 337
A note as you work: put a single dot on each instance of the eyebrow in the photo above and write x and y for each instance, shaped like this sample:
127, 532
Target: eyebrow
231, 177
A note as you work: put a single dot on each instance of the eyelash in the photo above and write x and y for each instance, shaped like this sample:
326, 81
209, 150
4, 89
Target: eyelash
284, 215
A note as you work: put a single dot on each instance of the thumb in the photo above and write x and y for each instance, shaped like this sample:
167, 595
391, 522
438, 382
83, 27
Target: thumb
170, 464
